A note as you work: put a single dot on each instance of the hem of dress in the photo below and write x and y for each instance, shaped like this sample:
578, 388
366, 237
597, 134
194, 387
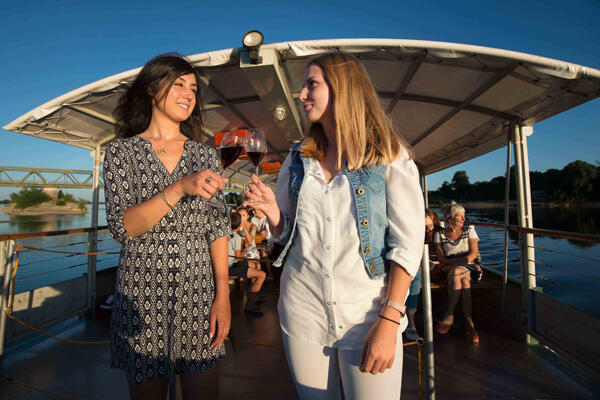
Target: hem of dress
213, 362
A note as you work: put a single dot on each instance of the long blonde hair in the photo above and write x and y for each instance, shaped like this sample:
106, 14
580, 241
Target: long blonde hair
364, 133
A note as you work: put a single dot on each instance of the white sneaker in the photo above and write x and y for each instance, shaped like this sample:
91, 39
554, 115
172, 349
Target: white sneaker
412, 335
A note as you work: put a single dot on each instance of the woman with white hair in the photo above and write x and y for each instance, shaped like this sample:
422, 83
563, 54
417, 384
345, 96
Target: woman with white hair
457, 250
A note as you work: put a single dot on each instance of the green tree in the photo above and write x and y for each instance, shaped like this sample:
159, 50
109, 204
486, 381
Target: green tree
579, 180
28, 197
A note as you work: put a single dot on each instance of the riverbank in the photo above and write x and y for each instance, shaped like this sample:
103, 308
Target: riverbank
46, 208
515, 204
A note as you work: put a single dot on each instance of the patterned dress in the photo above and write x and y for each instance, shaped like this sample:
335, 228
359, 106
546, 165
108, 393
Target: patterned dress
165, 285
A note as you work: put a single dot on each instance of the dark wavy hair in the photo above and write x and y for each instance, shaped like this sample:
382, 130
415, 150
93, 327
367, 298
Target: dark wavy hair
134, 109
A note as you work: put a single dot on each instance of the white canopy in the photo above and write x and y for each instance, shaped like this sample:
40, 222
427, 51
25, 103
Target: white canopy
451, 102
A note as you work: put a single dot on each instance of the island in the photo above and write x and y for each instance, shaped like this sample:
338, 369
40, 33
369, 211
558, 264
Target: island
49, 201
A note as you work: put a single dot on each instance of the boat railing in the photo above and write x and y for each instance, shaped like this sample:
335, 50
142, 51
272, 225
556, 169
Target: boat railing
49, 277
566, 329
76, 295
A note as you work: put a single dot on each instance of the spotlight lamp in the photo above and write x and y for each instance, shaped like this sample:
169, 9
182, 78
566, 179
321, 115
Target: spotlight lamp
252, 41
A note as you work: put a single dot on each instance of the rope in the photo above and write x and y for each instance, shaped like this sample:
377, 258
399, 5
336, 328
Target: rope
9, 309
65, 252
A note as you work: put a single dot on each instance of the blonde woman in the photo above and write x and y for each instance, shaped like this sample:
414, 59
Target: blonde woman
350, 211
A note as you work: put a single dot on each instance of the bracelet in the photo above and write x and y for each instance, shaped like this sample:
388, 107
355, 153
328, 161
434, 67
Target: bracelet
389, 319
165, 199
401, 308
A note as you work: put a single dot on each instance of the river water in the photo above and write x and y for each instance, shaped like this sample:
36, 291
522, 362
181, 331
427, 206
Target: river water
568, 270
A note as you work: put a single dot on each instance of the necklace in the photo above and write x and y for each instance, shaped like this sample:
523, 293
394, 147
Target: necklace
161, 151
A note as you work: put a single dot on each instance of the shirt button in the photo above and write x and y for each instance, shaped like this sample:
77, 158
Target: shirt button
326, 275
334, 303
339, 326
332, 327
328, 219
327, 192
328, 303
328, 247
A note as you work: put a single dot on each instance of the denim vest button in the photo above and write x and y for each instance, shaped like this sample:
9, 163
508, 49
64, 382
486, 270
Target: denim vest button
372, 267
360, 191
365, 222
367, 250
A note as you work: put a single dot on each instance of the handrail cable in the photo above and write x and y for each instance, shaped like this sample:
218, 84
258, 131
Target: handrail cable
586, 237
565, 285
543, 264
22, 278
565, 254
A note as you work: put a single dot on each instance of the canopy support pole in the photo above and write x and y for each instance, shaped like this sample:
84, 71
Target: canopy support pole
7, 262
93, 236
506, 222
528, 281
427, 314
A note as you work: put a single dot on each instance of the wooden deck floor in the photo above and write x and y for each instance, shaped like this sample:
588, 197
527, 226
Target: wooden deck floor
497, 368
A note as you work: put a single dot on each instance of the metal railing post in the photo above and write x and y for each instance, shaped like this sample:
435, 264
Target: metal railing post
427, 313
93, 236
525, 239
506, 223
7, 251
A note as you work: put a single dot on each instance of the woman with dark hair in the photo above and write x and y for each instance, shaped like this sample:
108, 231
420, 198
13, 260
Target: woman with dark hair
171, 312
349, 207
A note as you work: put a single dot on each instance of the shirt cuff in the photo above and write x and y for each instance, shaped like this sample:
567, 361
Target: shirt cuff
409, 262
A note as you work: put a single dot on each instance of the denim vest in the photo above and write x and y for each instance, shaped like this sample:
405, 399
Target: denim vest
368, 188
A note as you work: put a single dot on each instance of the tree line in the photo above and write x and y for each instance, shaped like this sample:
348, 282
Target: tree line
577, 182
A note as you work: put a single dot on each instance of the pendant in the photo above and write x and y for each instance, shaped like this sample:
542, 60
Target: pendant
161, 151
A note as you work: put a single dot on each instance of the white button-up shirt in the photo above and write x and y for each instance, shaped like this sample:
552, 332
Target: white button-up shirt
327, 297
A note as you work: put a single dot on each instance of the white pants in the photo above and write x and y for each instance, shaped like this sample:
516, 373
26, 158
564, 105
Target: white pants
316, 371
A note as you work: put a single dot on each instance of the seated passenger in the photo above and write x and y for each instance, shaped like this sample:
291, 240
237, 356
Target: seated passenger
248, 233
457, 250
262, 227
432, 225
240, 268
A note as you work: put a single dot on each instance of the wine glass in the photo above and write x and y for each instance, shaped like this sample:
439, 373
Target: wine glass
229, 150
256, 146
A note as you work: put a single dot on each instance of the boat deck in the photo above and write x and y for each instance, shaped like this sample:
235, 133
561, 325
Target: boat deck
498, 367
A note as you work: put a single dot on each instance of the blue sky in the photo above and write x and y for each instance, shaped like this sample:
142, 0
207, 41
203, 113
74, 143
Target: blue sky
50, 48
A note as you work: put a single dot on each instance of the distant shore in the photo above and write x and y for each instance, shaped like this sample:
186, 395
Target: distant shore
514, 203
47, 208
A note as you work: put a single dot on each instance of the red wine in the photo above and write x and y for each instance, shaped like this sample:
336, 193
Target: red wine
255, 157
229, 155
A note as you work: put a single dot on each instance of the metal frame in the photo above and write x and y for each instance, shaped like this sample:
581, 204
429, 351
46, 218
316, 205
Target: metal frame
67, 174
528, 279
427, 310
93, 235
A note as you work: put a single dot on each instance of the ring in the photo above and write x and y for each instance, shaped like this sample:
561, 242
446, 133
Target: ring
208, 179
